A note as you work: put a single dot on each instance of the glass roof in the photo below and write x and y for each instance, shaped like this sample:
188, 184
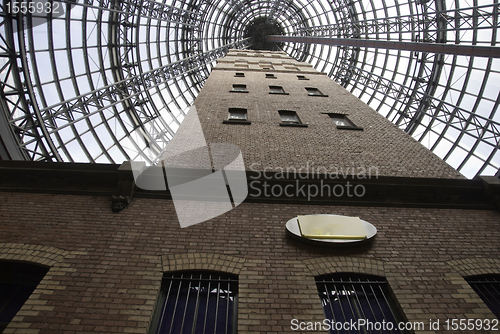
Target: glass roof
106, 81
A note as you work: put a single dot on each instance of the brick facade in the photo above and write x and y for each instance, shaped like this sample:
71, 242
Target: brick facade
106, 268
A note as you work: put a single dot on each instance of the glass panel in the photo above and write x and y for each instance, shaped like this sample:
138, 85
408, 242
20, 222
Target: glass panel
238, 114
276, 89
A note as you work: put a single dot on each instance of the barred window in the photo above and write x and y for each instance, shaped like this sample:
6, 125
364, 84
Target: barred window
349, 296
18, 280
196, 302
488, 288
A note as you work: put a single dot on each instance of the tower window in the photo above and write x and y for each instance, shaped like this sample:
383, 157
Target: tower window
314, 92
488, 288
277, 90
237, 116
302, 77
350, 297
270, 76
290, 118
18, 280
342, 122
196, 302
239, 89
239, 74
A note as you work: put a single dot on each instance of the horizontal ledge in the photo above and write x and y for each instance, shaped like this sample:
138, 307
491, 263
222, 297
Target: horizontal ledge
294, 125
236, 122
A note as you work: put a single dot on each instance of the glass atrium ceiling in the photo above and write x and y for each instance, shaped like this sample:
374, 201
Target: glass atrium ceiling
108, 81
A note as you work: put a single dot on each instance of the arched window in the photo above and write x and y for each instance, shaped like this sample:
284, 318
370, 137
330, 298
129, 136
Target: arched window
359, 298
488, 288
196, 302
18, 280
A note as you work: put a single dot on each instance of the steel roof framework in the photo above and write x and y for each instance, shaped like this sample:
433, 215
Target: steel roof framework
111, 80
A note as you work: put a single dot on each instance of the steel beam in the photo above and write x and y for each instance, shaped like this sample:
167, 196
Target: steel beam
453, 49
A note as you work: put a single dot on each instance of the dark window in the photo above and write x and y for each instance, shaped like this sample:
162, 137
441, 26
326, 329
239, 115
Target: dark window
342, 122
488, 288
314, 92
18, 280
277, 90
237, 116
270, 76
302, 77
290, 118
349, 296
196, 302
239, 74
240, 89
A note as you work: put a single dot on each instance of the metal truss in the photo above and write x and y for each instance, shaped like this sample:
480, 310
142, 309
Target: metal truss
111, 80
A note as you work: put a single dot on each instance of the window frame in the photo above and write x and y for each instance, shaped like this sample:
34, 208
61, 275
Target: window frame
319, 93
302, 77
335, 284
350, 125
270, 76
231, 120
239, 88
297, 123
281, 92
195, 277
477, 282
239, 74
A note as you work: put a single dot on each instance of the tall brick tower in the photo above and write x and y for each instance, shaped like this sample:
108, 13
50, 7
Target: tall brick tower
284, 114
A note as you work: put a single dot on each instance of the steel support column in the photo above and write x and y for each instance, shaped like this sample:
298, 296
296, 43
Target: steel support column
454, 49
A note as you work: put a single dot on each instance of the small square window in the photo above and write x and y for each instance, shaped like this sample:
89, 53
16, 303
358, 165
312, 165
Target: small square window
239, 89
342, 122
314, 91
302, 77
239, 74
290, 118
270, 76
277, 90
237, 116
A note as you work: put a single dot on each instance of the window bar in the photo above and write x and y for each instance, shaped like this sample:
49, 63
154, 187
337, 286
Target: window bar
378, 303
175, 306
327, 290
361, 310
217, 306
393, 315
165, 305
186, 303
227, 308
196, 307
345, 293
206, 307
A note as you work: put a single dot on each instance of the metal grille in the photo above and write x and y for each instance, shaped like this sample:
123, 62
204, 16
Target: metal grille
488, 288
347, 298
196, 302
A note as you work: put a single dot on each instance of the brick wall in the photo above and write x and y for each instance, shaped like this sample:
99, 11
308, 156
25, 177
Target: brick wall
266, 144
106, 268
